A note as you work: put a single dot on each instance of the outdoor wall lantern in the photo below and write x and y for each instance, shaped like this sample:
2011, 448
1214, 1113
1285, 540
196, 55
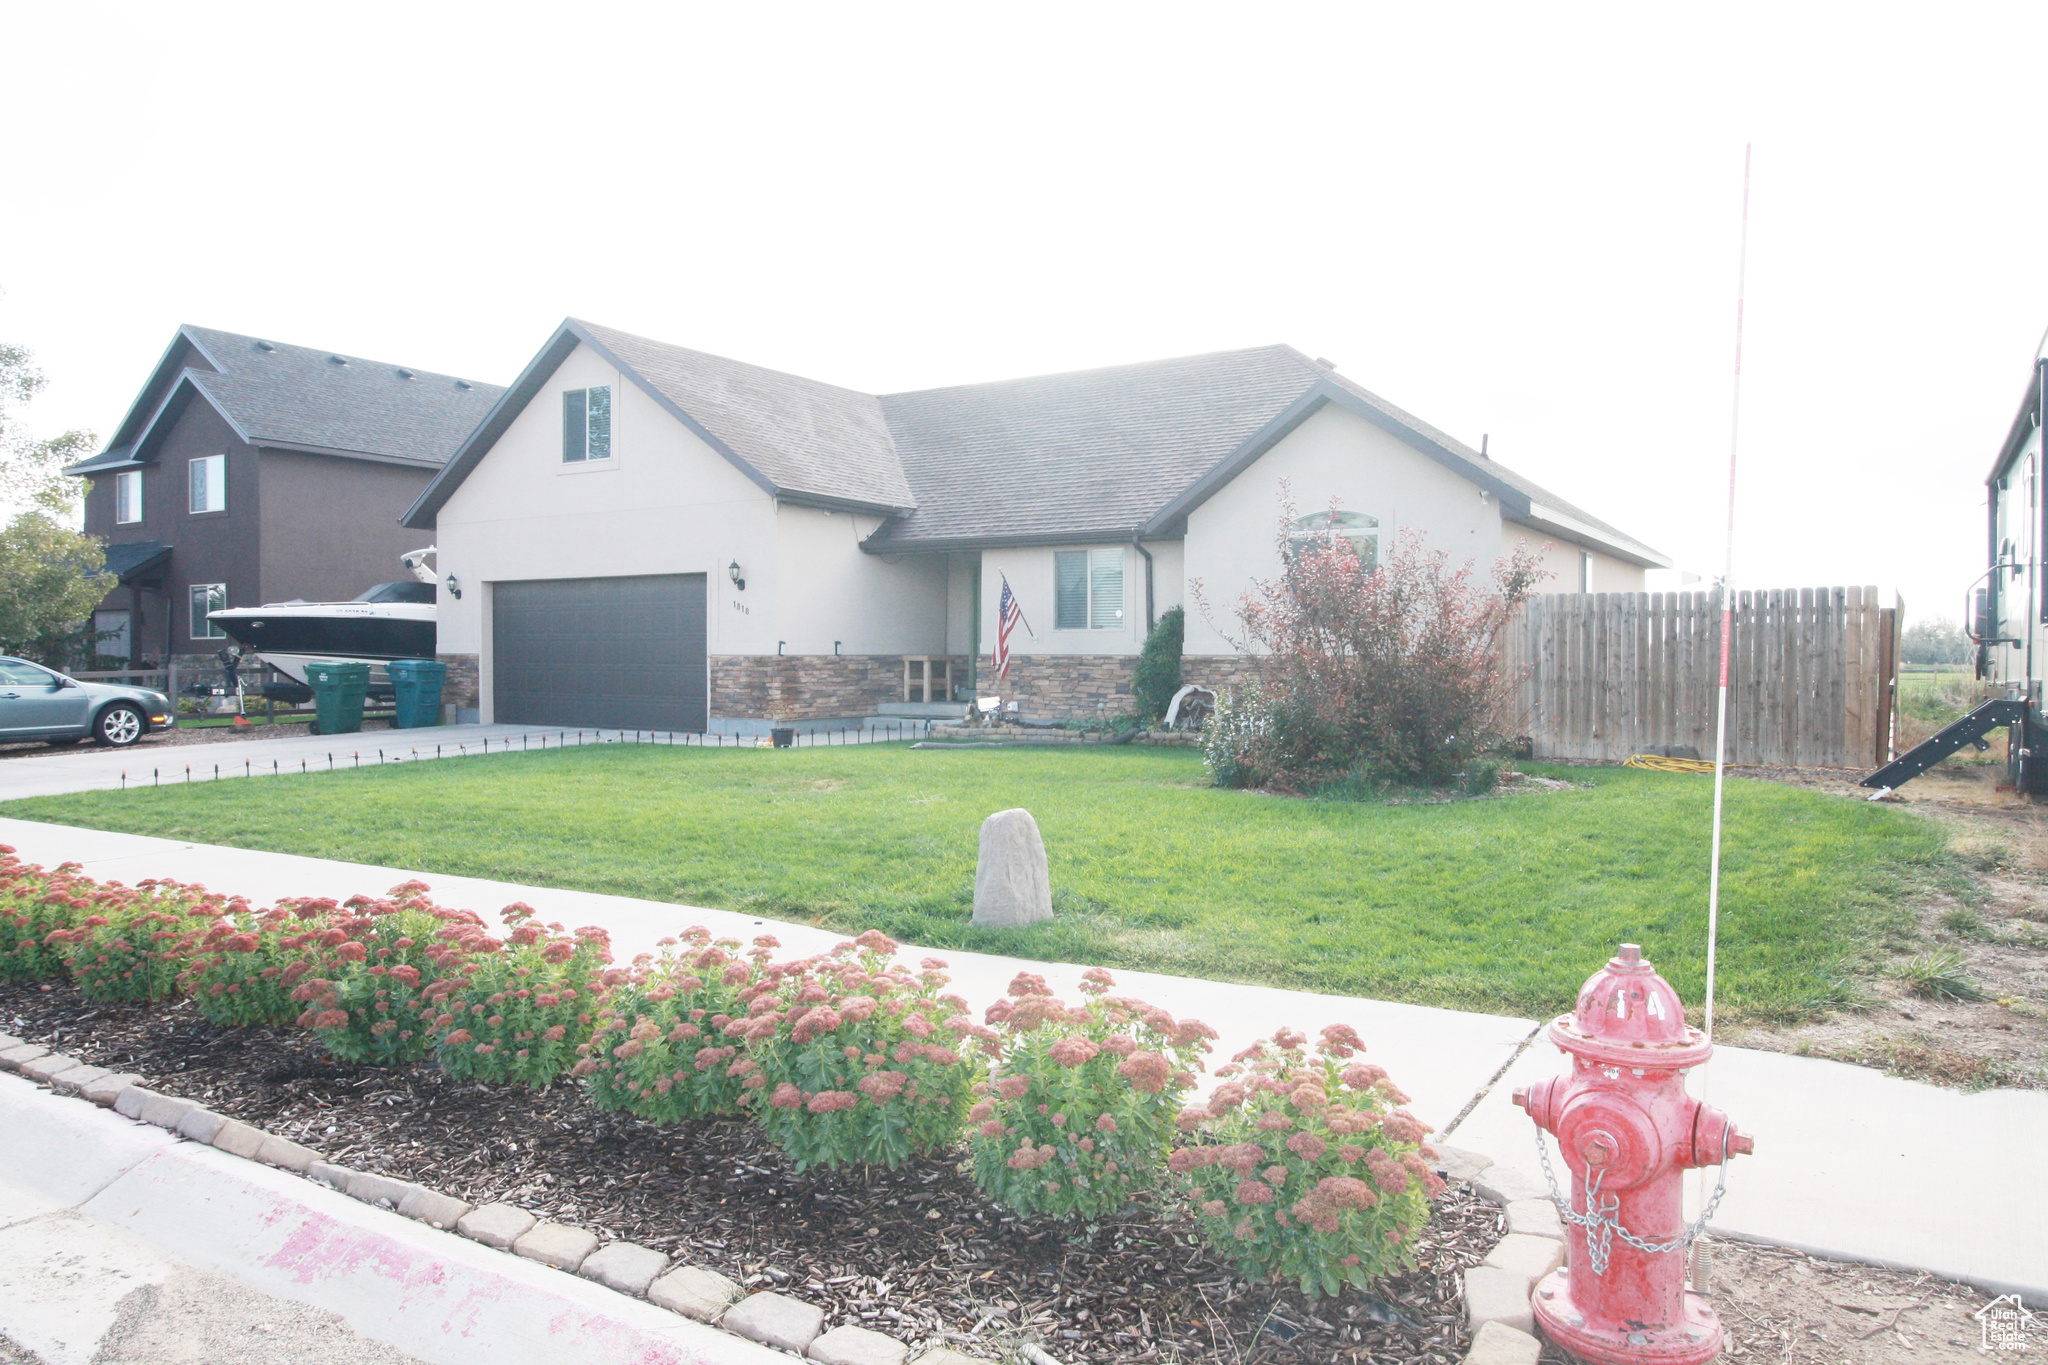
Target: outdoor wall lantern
454, 588
732, 571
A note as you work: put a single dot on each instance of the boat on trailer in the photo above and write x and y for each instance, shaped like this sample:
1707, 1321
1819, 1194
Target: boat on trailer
389, 621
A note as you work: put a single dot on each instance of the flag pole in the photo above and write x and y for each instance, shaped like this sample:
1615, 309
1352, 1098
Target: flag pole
1020, 605
1702, 1258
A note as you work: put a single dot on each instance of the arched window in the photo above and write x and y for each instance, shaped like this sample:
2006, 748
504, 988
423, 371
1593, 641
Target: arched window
1362, 531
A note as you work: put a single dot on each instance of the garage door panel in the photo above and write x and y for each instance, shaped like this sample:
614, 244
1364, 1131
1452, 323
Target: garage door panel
601, 652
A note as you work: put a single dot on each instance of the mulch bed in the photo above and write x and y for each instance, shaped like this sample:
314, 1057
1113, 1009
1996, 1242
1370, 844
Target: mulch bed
916, 1252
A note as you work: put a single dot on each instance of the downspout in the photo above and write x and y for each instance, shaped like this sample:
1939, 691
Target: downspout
1148, 579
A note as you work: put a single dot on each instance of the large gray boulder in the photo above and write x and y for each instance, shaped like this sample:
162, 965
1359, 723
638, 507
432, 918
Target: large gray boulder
1011, 886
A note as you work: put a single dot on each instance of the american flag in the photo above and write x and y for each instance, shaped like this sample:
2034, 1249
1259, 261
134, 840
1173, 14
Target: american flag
1008, 614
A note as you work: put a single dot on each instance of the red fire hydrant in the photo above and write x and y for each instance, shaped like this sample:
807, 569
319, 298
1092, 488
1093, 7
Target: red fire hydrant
1627, 1130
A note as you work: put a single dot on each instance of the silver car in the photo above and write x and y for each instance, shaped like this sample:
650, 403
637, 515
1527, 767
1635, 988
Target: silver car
40, 703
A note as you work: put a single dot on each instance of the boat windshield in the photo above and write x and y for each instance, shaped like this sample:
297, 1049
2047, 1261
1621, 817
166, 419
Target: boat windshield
399, 592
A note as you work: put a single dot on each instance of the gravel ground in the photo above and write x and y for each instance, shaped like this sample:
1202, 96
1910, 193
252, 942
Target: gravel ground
915, 1252
181, 737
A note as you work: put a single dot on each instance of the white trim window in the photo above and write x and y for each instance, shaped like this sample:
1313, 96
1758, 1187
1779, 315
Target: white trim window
206, 484
587, 424
201, 599
1357, 529
1088, 589
127, 497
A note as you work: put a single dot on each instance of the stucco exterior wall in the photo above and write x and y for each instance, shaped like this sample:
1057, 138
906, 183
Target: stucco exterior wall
1231, 538
828, 589
1562, 560
664, 503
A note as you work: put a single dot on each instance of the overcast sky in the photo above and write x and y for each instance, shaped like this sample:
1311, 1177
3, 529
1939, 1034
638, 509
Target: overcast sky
1507, 222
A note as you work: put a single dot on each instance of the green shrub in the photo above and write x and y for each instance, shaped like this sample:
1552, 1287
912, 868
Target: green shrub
1077, 1114
375, 964
33, 905
860, 1061
659, 1049
1312, 1177
517, 1009
236, 968
129, 944
1157, 675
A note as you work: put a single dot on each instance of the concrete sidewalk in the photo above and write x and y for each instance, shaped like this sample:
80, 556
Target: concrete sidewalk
1849, 1162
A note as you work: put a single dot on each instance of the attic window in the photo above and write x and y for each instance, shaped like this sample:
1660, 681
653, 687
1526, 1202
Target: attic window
405, 374
586, 424
1356, 529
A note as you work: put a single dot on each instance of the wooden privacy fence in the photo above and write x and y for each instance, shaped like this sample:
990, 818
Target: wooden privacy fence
1605, 675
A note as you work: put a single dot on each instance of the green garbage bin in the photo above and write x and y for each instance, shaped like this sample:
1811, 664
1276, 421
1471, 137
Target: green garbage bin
416, 685
338, 687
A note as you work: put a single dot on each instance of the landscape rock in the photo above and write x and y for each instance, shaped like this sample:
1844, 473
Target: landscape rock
74, 1081
42, 1069
238, 1139
1525, 1254
12, 1059
1455, 1163
694, 1292
775, 1320
858, 1346
496, 1225
1535, 1218
625, 1266
1506, 1184
105, 1090
435, 1210
557, 1244
1011, 884
1496, 1295
1496, 1343
379, 1189
166, 1111
286, 1154
200, 1124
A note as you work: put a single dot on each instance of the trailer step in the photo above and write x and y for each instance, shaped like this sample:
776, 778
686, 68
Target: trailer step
1971, 729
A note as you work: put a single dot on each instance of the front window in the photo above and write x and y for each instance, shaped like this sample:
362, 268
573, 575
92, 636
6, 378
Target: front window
207, 597
1356, 529
587, 424
1088, 589
207, 482
128, 497
110, 634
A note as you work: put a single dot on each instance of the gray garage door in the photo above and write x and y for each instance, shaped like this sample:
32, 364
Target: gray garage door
601, 652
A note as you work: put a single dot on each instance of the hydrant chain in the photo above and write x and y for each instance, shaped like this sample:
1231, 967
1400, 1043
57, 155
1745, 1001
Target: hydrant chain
1600, 1220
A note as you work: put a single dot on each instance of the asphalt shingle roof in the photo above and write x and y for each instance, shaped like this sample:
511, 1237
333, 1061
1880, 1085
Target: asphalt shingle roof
803, 436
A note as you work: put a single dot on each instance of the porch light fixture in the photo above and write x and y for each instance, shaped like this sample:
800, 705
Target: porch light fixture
732, 571
454, 588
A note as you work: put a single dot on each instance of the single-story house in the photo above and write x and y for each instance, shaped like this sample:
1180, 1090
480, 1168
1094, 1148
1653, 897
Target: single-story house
249, 471
649, 536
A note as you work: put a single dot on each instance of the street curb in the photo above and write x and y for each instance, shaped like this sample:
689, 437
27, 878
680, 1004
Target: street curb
435, 1294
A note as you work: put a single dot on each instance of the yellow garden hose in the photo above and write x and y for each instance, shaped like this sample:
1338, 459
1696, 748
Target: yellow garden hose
1657, 763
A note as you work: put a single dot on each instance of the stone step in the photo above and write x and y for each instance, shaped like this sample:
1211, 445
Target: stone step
921, 710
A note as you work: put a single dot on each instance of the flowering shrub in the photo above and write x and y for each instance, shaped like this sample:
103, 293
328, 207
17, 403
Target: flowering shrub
33, 905
659, 1048
1077, 1114
1314, 1176
372, 961
1387, 670
515, 1009
127, 944
235, 969
859, 1060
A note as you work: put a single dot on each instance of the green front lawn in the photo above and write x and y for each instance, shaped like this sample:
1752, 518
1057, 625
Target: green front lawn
1501, 905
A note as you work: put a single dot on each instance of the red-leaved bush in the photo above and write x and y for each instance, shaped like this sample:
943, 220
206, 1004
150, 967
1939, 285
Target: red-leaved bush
659, 1048
1077, 1114
1311, 1174
1390, 672
372, 961
860, 1060
127, 943
34, 904
239, 969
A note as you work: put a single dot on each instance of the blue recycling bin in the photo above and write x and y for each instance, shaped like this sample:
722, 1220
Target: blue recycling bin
416, 690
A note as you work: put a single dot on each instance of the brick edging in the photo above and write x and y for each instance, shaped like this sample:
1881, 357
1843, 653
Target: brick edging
1497, 1290
698, 1292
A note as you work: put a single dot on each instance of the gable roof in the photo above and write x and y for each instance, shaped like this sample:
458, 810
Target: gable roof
297, 398
1084, 456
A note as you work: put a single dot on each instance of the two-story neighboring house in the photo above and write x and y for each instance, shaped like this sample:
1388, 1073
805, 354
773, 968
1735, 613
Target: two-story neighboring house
248, 471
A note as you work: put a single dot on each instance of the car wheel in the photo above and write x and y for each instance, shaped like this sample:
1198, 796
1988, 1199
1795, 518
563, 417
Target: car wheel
119, 726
